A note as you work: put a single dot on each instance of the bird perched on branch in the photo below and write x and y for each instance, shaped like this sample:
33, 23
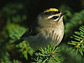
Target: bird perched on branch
48, 29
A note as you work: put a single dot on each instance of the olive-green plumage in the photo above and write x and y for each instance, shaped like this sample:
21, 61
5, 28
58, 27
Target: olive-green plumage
47, 29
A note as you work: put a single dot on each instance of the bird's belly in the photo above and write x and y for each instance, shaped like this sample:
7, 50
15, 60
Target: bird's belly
44, 39
39, 41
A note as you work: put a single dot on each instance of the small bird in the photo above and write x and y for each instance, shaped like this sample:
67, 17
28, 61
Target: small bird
48, 29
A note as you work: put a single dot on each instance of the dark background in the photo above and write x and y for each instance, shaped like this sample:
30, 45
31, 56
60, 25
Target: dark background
21, 13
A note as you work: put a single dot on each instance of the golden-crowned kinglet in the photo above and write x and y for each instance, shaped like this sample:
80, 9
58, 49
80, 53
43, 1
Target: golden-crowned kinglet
47, 29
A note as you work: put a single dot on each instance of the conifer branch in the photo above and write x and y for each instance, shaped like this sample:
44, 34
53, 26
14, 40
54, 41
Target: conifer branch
25, 46
79, 43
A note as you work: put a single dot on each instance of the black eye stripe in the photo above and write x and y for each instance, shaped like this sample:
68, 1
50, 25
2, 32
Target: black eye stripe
54, 17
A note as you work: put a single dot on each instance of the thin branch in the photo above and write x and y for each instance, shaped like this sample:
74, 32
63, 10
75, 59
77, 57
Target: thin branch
25, 46
79, 43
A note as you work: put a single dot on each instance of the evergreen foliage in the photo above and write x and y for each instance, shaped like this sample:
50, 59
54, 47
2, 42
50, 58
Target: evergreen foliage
15, 32
48, 55
17, 16
77, 19
78, 42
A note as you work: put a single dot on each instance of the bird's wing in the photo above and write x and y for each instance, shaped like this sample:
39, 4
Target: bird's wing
33, 30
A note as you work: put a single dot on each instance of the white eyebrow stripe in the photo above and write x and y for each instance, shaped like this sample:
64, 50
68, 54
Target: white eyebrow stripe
51, 16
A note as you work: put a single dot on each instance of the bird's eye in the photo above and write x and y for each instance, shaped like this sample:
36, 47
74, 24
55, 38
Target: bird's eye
55, 17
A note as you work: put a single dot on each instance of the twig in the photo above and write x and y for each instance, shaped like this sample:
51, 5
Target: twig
79, 43
25, 46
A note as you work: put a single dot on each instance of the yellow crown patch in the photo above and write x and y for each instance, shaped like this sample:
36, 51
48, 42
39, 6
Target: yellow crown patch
51, 9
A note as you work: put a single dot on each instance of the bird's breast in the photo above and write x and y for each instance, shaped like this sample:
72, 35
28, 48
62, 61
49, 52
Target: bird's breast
55, 34
46, 37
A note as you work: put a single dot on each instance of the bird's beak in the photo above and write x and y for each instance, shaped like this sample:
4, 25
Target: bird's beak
64, 13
